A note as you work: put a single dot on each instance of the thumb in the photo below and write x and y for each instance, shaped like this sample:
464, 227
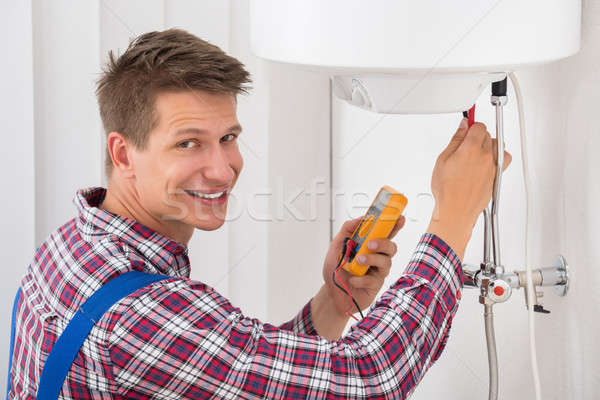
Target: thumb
507, 160
348, 227
507, 155
457, 139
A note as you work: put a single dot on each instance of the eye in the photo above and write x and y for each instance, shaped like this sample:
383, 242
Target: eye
229, 137
185, 145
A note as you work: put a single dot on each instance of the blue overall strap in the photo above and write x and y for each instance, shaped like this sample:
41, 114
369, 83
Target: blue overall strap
12, 339
67, 346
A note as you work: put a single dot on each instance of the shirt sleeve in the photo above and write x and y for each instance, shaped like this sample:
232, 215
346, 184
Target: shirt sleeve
302, 322
187, 342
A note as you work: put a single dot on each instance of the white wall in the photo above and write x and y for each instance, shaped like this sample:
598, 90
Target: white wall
67, 125
299, 179
17, 236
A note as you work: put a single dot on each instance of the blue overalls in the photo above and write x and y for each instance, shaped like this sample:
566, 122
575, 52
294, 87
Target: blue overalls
67, 346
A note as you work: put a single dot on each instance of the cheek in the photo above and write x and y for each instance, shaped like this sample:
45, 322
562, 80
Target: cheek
145, 168
174, 169
148, 180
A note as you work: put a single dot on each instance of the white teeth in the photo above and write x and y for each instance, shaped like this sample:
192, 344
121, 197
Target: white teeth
206, 195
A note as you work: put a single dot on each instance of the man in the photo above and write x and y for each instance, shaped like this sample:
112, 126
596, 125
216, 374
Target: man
168, 106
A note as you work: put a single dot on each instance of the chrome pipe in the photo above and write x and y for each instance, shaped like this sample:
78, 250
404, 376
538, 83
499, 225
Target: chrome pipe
548, 276
487, 240
470, 277
498, 103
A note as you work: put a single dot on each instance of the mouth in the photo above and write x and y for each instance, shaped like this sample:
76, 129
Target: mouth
213, 198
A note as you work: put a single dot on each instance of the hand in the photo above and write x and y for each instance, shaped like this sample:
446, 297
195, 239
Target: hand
363, 288
462, 183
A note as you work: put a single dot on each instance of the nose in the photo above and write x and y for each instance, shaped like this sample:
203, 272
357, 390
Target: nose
219, 170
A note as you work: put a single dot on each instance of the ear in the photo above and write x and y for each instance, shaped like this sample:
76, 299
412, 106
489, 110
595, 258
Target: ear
119, 149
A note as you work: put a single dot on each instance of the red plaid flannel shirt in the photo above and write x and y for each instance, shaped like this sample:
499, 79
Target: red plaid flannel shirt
179, 338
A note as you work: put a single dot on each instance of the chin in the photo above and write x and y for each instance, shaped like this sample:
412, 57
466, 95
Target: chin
211, 225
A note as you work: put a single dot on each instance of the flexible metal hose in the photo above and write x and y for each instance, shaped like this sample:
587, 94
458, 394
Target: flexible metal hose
490, 339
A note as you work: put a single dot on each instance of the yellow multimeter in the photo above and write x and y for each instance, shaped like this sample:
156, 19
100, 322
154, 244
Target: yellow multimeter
377, 223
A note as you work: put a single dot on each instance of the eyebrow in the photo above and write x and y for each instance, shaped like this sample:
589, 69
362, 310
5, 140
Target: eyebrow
197, 131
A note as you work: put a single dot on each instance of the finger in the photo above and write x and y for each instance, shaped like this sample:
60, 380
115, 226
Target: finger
477, 135
379, 271
383, 246
507, 156
487, 143
379, 263
507, 160
456, 139
366, 282
399, 225
348, 227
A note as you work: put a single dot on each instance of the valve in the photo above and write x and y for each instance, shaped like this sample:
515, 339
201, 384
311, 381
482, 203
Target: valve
497, 287
494, 291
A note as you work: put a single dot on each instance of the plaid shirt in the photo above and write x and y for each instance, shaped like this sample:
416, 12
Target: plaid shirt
179, 338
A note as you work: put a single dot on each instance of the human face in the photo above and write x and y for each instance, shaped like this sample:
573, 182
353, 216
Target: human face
191, 155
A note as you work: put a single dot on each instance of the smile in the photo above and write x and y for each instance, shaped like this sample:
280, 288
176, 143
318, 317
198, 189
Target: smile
206, 195
209, 199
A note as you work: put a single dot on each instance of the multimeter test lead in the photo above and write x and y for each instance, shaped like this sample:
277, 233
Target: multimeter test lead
347, 249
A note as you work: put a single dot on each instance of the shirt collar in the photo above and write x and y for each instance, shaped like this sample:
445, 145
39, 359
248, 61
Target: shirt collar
168, 256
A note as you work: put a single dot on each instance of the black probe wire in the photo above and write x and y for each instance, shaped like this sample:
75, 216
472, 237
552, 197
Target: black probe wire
342, 258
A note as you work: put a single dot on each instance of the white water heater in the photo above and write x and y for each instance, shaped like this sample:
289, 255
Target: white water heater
407, 56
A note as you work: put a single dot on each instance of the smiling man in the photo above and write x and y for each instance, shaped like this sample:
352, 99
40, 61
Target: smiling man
180, 179
168, 106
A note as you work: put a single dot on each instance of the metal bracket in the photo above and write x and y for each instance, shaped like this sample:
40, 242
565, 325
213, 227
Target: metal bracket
562, 268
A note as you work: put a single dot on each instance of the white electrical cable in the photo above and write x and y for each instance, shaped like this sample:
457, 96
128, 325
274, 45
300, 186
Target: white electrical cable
530, 288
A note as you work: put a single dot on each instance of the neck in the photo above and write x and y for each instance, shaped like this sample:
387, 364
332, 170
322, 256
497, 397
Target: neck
123, 200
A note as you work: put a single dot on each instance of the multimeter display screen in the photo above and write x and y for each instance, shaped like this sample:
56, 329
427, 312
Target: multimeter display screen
369, 220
